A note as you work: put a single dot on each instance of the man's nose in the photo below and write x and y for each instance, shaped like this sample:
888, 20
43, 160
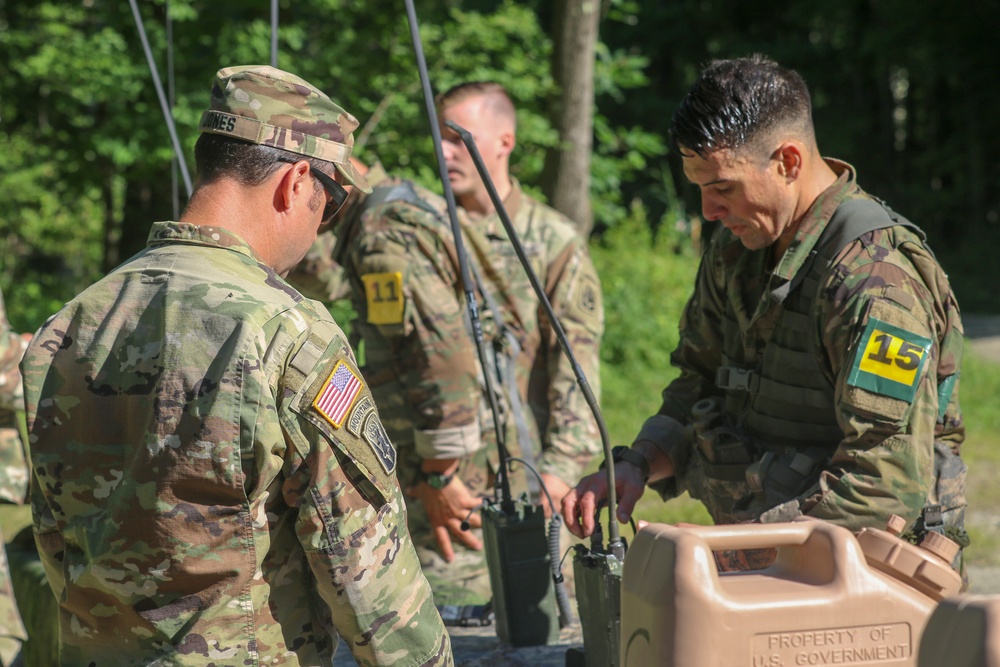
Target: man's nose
711, 208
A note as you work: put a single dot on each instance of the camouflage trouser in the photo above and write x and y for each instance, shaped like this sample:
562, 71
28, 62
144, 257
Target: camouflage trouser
38, 606
465, 580
12, 633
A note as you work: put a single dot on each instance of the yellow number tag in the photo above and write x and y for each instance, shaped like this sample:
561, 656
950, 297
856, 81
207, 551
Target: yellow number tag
384, 292
891, 357
889, 360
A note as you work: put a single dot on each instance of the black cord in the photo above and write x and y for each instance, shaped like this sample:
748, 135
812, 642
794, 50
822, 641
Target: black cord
541, 485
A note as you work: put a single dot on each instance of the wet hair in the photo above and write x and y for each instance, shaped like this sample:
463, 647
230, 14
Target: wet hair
739, 103
218, 156
497, 98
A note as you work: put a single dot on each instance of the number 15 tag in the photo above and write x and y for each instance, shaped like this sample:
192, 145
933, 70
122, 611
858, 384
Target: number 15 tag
889, 360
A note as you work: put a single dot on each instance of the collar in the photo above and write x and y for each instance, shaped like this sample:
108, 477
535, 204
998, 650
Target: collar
205, 235
491, 222
815, 221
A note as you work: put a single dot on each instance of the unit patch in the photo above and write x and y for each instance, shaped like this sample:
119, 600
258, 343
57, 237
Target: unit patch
384, 292
588, 296
337, 394
889, 360
356, 422
375, 435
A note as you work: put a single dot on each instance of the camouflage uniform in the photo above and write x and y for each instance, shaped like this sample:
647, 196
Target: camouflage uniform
13, 476
878, 451
422, 364
212, 484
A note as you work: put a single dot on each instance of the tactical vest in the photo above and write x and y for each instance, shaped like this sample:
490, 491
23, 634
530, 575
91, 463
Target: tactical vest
787, 399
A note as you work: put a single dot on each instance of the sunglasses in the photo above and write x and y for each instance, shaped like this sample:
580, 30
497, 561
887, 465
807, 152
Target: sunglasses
338, 195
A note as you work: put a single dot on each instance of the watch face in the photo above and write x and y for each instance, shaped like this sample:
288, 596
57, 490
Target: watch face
438, 481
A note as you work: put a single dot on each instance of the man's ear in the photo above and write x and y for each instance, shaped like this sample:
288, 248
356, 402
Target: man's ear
290, 184
506, 142
789, 158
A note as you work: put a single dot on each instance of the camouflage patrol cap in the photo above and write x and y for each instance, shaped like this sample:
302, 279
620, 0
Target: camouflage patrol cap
267, 106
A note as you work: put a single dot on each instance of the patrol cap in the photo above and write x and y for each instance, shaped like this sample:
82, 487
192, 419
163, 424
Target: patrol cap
268, 106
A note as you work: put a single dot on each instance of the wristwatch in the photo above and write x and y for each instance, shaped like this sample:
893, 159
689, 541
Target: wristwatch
436, 480
629, 455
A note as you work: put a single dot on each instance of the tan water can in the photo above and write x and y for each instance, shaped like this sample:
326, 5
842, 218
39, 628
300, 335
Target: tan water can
822, 602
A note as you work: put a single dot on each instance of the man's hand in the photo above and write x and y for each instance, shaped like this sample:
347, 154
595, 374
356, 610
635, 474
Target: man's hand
580, 504
446, 510
557, 490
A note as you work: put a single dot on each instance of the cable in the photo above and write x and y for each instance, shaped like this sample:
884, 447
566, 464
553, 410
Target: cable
552, 505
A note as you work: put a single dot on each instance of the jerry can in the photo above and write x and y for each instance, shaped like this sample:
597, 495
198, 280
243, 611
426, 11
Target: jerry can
962, 632
829, 598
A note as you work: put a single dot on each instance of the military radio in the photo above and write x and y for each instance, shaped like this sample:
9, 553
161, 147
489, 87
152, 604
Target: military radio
597, 574
524, 569
529, 599
597, 570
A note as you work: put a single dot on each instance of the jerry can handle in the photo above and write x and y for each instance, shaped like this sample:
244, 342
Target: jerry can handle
750, 536
844, 551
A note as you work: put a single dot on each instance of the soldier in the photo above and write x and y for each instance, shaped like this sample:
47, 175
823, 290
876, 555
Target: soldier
212, 483
820, 351
397, 248
13, 477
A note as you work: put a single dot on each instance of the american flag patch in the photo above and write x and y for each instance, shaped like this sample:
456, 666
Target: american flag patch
337, 394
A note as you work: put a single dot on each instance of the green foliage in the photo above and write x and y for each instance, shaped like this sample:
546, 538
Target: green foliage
646, 279
87, 152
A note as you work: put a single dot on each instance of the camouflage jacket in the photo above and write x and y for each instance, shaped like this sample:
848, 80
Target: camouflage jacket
11, 348
13, 466
212, 483
419, 352
13, 477
884, 462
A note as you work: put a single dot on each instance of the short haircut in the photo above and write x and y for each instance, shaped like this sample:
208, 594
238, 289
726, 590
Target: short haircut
497, 98
740, 103
218, 156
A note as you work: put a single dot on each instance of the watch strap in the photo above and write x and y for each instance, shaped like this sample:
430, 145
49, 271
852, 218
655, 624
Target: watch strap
436, 480
629, 455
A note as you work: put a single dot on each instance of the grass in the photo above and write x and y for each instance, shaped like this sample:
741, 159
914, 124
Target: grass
981, 451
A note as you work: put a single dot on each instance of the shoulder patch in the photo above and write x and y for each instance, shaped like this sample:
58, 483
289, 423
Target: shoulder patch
337, 402
364, 423
889, 360
589, 296
336, 396
584, 302
384, 294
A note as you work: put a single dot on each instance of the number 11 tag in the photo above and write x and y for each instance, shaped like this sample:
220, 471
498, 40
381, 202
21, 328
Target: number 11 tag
889, 360
384, 293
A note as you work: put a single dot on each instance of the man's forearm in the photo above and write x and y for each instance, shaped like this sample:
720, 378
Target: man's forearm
660, 464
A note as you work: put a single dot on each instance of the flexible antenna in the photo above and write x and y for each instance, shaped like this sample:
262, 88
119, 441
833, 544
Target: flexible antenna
175, 197
162, 97
503, 482
614, 540
274, 34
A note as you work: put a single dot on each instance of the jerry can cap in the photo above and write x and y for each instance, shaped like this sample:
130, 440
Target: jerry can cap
926, 567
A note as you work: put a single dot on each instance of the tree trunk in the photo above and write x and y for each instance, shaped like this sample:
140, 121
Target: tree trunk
566, 179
